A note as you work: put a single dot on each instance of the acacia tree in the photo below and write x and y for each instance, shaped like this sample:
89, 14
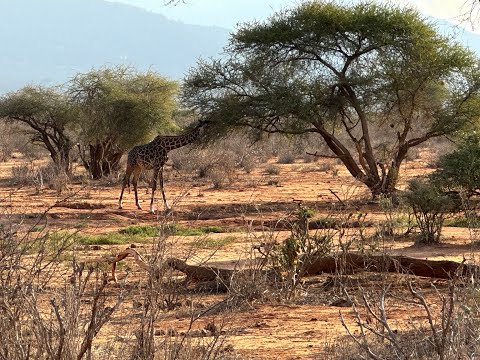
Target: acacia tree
120, 107
372, 81
48, 116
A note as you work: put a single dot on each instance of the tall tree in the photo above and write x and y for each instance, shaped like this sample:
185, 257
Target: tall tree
120, 107
372, 81
48, 116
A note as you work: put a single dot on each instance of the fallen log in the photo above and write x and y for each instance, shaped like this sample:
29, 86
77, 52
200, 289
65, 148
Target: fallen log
201, 273
441, 269
209, 276
340, 263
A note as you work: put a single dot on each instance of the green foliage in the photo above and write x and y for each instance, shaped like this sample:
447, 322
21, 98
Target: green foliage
49, 118
123, 105
430, 206
460, 170
111, 238
50, 242
47, 105
140, 230
120, 108
305, 213
301, 247
182, 231
346, 73
463, 221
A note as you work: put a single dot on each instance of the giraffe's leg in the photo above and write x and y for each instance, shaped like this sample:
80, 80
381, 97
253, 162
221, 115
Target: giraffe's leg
167, 207
136, 174
154, 187
126, 180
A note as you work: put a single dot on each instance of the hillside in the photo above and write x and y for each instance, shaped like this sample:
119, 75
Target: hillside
49, 41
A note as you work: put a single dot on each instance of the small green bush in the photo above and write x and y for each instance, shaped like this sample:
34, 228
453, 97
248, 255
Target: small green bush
430, 207
460, 169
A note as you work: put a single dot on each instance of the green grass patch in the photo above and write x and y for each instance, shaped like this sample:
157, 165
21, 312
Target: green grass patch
140, 230
128, 235
171, 229
210, 243
113, 238
462, 221
61, 238
45, 243
179, 230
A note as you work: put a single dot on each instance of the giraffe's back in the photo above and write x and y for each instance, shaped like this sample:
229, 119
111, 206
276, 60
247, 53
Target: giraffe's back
146, 156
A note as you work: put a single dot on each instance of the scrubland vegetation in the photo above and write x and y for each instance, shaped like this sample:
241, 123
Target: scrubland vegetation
309, 163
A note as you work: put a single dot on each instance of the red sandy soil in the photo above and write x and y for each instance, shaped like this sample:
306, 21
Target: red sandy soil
301, 329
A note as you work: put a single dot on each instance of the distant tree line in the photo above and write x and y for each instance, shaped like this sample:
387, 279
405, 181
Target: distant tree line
104, 112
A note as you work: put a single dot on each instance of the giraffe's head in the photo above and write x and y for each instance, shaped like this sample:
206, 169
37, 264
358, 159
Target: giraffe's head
200, 128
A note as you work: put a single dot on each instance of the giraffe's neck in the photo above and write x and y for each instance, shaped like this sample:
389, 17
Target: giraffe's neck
176, 141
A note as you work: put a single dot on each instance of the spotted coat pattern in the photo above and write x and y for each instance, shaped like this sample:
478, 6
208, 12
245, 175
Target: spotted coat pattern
154, 155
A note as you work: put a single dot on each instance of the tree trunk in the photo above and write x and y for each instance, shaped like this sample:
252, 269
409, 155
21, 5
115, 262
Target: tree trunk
103, 160
441, 269
59, 148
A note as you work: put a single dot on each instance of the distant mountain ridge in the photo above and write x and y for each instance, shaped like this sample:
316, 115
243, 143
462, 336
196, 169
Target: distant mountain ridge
47, 42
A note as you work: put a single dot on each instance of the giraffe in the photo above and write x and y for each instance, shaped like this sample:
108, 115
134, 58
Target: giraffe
154, 155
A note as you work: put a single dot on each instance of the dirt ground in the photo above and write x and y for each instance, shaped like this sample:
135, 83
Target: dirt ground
306, 328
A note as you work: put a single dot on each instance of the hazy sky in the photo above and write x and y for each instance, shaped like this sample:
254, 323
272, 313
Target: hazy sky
227, 13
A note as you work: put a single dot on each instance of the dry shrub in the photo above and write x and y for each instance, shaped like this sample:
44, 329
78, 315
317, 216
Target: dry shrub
430, 206
447, 329
11, 142
23, 174
272, 170
115, 177
302, 147
52, 177
40, 319
325, 166
286, 156
218, 162
48, 176
164, 292
259, 283
188, 347
413, 154
436, 148
293, 255
237, 152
